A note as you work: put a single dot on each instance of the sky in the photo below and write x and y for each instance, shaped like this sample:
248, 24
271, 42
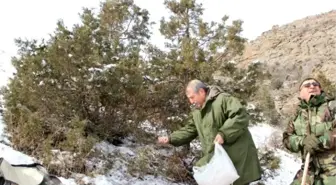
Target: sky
36, 19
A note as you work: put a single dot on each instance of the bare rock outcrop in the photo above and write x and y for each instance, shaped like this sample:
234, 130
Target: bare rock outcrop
295, 51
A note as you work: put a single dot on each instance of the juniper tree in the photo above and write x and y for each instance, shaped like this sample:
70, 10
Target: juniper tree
195, 49
81, 84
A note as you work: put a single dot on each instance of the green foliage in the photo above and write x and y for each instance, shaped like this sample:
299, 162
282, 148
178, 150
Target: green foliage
150, 162
80, 85
269, 162
266, 105
196, 49
243, 83
92, 82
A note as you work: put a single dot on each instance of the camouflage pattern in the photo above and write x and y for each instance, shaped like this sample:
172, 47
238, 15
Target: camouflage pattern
312, 179
315, 117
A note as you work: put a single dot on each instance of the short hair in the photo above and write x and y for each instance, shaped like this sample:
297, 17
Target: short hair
309, 78
196, 85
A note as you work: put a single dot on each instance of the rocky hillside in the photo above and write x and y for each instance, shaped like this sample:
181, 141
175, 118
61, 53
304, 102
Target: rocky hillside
294, 51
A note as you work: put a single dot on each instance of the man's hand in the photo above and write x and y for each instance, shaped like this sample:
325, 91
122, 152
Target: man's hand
311, 144
163, 140
219, 139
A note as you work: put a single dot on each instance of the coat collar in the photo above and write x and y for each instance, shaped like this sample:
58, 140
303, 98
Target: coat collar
314, 101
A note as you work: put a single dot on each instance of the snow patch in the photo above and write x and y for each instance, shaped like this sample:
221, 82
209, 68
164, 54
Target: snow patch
118, 173
289, 164
107, 148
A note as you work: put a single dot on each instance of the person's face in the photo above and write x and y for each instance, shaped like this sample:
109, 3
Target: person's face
308, 88
197, 99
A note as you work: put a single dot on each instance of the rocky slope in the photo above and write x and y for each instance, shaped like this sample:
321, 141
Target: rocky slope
294, 51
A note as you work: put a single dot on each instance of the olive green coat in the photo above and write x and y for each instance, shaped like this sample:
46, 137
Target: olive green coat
222, 114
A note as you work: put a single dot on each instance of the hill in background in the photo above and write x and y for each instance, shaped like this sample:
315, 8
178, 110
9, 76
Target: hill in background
294, 51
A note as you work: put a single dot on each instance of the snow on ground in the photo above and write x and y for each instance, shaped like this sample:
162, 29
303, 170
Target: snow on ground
289, 164
262, 135
118, 175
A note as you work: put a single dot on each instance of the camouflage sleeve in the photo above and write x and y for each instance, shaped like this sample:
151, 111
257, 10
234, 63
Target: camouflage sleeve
290, 140
237, 120
332, 107
184, 135
328, 140
329, 137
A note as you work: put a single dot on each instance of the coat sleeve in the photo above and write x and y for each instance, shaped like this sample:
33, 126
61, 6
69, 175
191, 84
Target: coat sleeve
237, 119
328, 139
290, 140
184, 135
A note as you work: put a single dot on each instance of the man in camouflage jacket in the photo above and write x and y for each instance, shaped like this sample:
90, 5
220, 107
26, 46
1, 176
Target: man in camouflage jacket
313, 130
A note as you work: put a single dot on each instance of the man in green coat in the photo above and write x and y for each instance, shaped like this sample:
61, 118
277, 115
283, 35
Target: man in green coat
313, 130
217, 116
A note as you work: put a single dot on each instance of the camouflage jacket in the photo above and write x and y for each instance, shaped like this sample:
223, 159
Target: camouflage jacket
318, 116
